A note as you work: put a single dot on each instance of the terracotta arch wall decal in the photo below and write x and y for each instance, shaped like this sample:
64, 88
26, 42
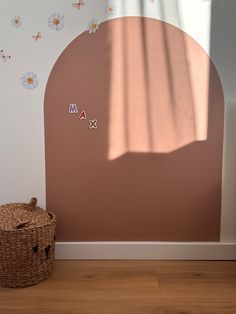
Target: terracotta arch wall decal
140, 196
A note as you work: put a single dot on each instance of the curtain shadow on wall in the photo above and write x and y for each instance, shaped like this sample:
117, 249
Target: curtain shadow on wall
158, 88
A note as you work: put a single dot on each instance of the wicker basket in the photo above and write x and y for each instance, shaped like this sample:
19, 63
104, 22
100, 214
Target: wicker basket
27, 244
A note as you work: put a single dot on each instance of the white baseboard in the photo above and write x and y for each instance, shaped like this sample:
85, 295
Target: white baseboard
145, 250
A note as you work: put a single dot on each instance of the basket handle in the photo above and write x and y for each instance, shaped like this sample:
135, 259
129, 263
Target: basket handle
21, 225
33, 202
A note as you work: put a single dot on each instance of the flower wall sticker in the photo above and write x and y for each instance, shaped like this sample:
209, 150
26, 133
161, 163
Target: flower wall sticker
3, 56
37, 36
56, 21
78, 5
16, 21
110, 9
29, 80
92, 26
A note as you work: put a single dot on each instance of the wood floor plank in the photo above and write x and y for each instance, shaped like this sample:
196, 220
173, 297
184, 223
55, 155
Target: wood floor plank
129, 287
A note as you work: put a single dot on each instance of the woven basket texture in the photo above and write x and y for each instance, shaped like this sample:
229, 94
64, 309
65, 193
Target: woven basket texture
27, 244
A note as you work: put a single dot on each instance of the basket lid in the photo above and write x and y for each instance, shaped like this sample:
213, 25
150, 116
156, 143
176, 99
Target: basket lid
15, 216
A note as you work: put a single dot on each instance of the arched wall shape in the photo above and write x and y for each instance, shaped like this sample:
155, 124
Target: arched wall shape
139, 196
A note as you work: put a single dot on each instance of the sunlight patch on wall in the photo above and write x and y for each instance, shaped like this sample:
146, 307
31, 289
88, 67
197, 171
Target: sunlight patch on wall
158, 89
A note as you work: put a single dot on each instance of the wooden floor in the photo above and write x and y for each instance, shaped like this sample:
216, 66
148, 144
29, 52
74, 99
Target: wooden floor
128, 287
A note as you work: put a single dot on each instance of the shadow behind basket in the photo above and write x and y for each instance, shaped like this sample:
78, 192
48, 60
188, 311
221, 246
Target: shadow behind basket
27, 244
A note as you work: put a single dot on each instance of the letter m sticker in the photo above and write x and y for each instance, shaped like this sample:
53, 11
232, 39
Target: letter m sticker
73, 108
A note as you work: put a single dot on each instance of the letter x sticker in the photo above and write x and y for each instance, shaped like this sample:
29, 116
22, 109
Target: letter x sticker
93, 124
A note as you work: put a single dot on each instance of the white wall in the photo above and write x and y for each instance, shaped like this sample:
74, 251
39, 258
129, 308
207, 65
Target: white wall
22, 164
223, 53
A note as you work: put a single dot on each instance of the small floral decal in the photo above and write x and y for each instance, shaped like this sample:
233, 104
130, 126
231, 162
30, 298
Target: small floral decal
16, 21
92, 26
56, 21
3, 56
37, 36
29, 80
110, 9
78, 5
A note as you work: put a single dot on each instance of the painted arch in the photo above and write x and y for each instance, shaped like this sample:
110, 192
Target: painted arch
109, 183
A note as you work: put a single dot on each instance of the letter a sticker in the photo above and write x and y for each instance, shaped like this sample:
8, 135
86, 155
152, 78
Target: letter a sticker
83, 115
